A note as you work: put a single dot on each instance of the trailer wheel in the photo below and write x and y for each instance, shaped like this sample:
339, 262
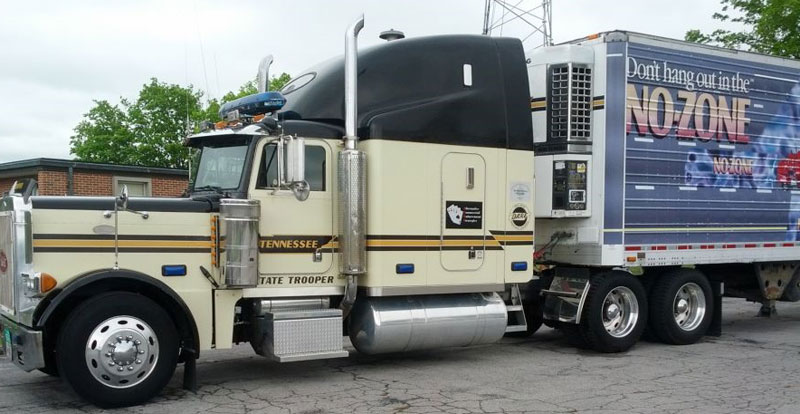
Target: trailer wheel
681, 307
615, 312
117, 349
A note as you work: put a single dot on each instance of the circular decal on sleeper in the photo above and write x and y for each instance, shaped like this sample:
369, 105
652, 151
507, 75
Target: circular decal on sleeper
519, 216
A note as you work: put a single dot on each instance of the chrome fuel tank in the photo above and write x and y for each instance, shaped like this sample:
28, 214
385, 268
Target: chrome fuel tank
408, 323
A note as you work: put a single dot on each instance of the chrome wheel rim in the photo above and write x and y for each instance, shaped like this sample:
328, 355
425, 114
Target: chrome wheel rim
122, 352
620, 312
689, 306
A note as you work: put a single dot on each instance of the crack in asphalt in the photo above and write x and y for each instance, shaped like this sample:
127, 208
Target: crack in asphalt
752, 368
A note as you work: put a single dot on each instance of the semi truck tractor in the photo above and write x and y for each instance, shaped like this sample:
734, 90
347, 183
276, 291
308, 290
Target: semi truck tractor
392, 195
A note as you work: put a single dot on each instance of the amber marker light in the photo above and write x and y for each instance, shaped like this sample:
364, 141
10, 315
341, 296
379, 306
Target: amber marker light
631, 259
47, 282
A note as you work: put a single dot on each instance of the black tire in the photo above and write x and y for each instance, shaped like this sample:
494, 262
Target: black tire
49, 370
592, 329
83, 321
662, 302
533, 318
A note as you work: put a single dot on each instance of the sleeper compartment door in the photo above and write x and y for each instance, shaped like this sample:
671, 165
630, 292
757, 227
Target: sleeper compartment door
295, 237
462, 211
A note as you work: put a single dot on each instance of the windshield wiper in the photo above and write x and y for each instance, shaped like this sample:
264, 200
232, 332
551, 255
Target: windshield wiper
217, 189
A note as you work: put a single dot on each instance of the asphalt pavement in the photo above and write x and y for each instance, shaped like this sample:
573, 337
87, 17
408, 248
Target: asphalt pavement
754, 367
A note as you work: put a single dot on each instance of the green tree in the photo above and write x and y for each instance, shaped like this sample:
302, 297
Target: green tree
150, 130
770, 26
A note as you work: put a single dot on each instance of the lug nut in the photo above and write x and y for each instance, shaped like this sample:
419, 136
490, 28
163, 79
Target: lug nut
137, 342
129, 337
111, 364
120, 369
108, 354
119, 339
138, 361
130, 368
141, 352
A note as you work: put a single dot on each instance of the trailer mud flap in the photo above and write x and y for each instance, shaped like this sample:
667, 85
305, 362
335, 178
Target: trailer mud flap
564, 299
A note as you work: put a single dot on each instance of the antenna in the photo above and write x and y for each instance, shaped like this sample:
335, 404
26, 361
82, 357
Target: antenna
530, 20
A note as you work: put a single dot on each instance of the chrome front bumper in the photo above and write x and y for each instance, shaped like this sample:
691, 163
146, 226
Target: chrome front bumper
22, 343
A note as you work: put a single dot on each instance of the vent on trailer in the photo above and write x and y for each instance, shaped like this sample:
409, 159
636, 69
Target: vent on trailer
569, 108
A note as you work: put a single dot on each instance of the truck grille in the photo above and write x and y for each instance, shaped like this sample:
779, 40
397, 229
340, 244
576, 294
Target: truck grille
6, 262
569, 103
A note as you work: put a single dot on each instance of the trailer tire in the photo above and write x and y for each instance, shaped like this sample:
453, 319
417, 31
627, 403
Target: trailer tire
533, 318
689, 290
137, 354
615, 313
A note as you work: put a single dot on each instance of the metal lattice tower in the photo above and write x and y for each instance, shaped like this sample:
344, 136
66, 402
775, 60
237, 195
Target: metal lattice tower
530, 20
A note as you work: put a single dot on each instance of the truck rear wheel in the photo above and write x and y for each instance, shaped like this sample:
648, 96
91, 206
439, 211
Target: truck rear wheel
681, 307
615, 312
117, 349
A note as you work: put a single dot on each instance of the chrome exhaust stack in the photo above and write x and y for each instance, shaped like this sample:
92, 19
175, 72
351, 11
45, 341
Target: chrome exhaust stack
352, 179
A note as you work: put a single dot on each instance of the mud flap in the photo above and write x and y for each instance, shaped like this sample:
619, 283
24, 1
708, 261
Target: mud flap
189, 357
564, 299
717, 290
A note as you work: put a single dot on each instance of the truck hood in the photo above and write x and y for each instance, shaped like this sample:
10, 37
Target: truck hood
188, 205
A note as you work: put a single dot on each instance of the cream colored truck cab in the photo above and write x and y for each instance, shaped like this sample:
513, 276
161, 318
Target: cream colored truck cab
411, 232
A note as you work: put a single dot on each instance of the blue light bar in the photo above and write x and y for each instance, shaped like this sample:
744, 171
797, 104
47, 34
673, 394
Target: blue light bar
404, 268
519, 266
255, 104
173, 270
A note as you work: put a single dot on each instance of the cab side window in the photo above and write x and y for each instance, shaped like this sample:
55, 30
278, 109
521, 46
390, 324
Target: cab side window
315, 168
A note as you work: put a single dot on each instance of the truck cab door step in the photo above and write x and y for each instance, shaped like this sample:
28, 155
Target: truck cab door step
516, 313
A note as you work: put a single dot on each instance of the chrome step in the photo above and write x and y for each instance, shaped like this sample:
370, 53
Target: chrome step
516, 313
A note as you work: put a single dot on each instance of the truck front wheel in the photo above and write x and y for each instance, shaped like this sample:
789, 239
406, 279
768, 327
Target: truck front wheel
615, 312
681, 307
117, 349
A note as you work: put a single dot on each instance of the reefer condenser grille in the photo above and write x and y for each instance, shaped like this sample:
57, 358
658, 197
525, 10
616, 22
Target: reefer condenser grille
569, 108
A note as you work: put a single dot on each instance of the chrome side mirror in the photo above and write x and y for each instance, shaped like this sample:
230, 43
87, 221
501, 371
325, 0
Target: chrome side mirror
292, 168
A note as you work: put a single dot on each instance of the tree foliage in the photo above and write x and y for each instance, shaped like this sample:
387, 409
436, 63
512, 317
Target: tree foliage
769, 26
150, 130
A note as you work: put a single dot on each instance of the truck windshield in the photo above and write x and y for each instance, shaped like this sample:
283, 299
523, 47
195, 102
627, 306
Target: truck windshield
220, 167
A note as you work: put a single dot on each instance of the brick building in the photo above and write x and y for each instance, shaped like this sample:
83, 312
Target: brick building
65, 177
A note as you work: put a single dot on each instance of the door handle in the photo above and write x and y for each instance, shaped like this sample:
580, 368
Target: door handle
470, 178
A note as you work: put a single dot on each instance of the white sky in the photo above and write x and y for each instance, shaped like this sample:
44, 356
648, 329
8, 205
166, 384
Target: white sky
57, 56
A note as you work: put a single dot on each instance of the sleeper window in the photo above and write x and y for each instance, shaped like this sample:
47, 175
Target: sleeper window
315, 168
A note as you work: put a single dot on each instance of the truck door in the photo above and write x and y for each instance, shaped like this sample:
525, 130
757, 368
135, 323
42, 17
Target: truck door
295, 236
463, 209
